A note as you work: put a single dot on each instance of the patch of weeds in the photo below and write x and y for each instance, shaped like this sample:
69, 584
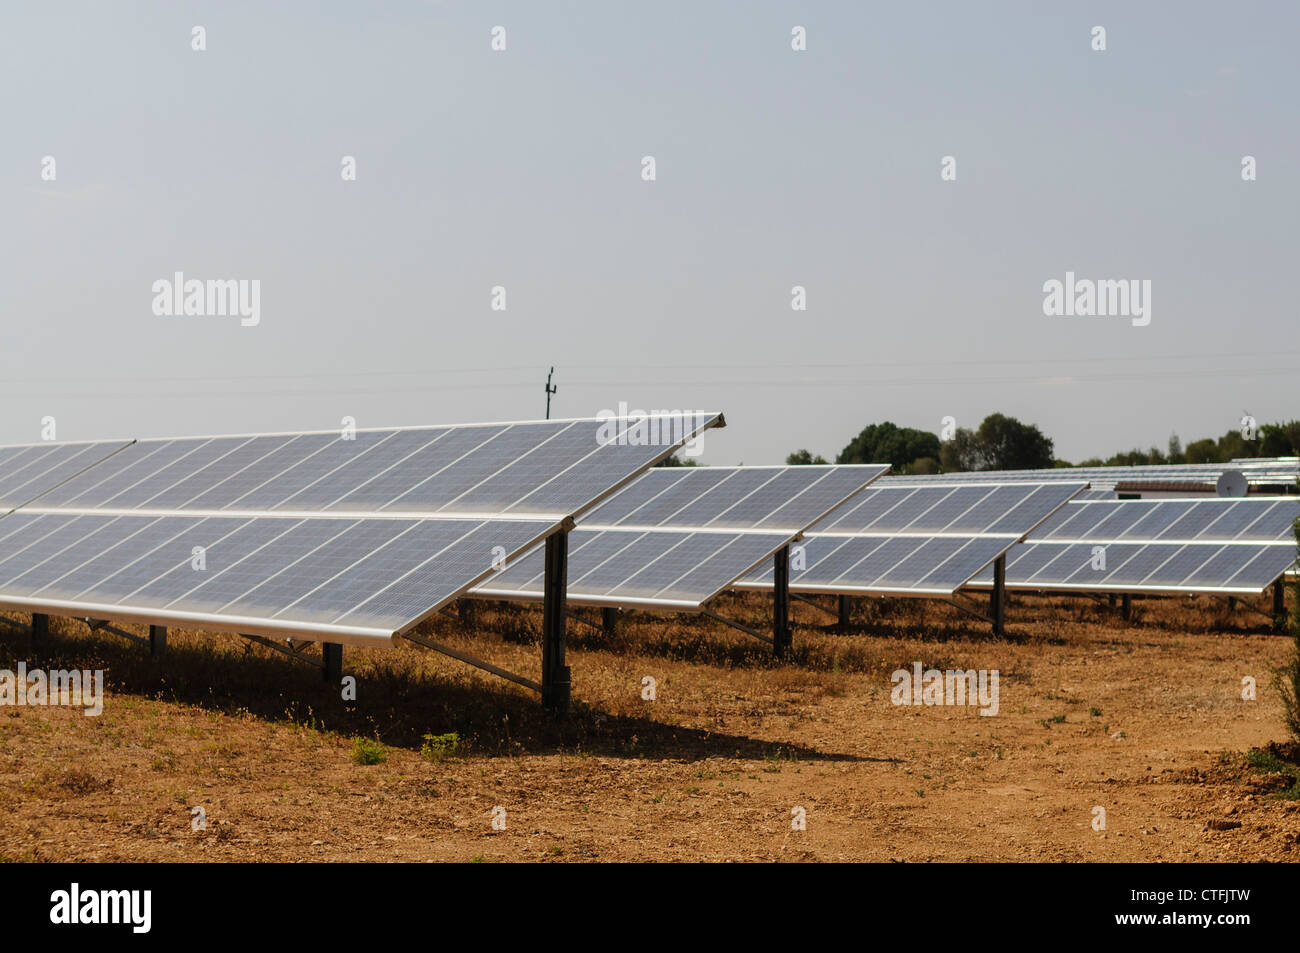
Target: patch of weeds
1280, 763
778, 756
366, 751
1068, 699
437, 747
76, 781
1095, 712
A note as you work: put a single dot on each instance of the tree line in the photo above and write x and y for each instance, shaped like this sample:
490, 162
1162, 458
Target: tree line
1001, 442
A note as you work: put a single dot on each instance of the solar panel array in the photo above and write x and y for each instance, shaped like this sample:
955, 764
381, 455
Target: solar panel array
1229, 546
354, 538
677, 537
1267, 471
916, 537
357, 537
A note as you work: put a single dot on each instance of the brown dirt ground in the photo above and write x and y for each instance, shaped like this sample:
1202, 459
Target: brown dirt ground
1154, 730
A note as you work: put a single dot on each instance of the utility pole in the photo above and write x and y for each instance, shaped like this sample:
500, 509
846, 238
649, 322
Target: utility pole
550, 389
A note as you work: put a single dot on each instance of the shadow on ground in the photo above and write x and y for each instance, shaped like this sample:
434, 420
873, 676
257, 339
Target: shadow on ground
398, 708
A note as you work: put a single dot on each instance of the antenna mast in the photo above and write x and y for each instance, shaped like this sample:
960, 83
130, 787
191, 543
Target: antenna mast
550, 389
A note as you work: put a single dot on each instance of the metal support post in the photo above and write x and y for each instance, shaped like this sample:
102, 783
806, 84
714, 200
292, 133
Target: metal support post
555, 673
998, 598
332, 656
782, 639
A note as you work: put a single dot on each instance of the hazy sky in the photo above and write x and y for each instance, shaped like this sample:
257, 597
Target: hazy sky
775, 168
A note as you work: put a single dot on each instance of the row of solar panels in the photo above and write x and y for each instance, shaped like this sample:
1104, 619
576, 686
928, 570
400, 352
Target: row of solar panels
1272, 471
675, 539
359, 537
1158, 546
660, 542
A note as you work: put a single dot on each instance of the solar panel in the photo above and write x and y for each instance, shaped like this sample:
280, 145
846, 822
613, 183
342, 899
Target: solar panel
1229, 546
678, 536
540, 468
912, 537
1264, 471
351, 539
1160, 568
352, 580
781, 499
670, 569
1260, 520
31, 471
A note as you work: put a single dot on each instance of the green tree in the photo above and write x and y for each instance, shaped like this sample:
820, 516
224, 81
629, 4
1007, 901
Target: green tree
888, 443
1008, 444
1276, 440
1232, 445
802, 458
1137, 458
1203, 451
962, 452
1000, 443
1176, 449
1292, 430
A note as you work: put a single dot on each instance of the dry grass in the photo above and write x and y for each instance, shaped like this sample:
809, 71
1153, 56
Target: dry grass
1094, 711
